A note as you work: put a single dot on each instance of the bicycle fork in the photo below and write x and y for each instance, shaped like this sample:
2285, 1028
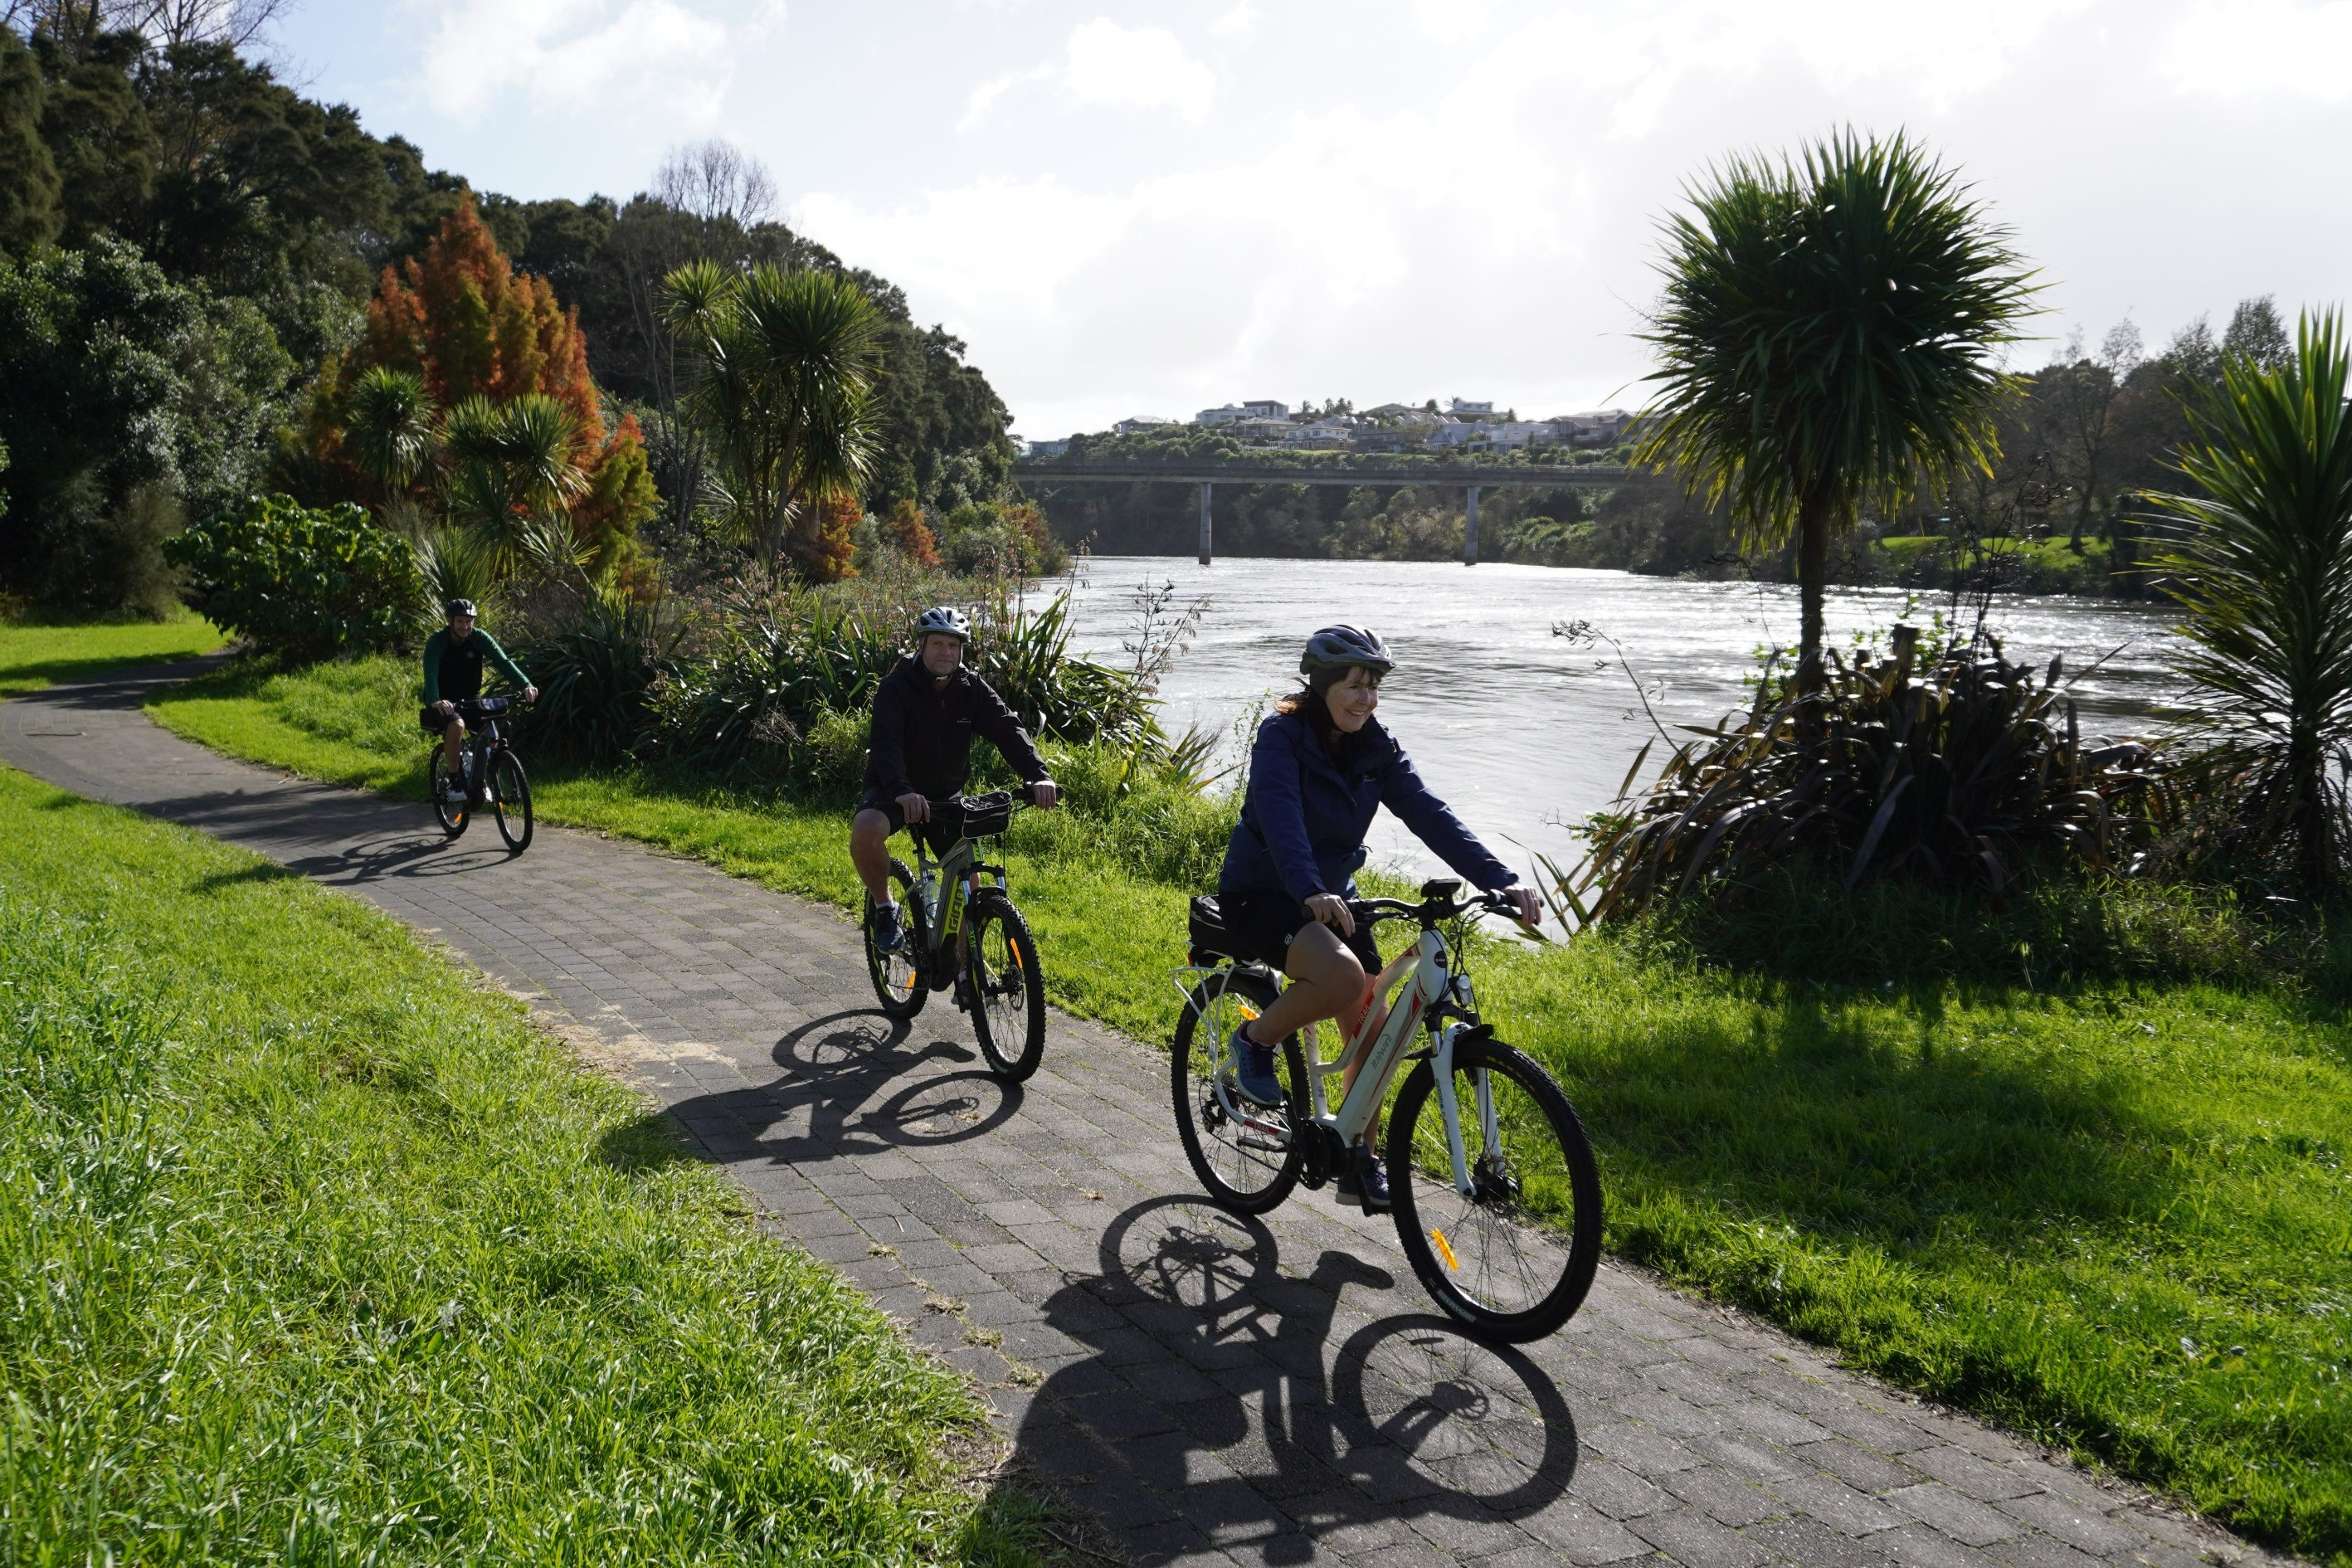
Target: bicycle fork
1441, 1062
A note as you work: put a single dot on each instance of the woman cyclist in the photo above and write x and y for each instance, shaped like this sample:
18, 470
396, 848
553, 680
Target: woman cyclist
1322, 766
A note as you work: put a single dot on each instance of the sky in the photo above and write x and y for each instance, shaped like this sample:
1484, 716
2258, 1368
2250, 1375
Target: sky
1158, 208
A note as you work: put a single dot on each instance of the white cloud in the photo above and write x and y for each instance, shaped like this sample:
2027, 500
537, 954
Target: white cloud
2241, 47
577, 54
1137, 67
1238, 23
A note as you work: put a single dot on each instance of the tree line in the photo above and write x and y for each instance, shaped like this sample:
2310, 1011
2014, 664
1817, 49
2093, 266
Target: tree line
213, 287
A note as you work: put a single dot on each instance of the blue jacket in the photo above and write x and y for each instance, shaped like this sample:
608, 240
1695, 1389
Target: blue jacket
1305, 816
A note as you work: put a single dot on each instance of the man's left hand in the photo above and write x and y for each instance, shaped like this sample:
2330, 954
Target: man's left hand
1530, 909
1043, 794
531, 694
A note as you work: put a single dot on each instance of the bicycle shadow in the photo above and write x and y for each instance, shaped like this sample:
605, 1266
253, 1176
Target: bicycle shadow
854, 1083
1214, 1396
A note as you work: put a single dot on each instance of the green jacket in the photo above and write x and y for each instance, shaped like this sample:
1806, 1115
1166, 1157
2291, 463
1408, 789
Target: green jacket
453, 670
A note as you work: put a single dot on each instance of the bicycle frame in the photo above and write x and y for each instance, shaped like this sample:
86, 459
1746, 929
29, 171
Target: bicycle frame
1431, 985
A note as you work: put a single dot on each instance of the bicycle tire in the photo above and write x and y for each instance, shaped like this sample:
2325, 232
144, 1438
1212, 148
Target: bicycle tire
510, 798
1244, 1170
452, 819
1507, 1272
902, 999
1007, 987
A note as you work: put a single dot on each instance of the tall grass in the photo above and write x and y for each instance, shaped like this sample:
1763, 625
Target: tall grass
314, 1254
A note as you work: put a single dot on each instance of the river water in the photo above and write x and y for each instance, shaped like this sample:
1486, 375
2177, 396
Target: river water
1522, 732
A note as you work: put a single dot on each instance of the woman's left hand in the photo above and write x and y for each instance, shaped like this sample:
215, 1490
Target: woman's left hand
1530, 908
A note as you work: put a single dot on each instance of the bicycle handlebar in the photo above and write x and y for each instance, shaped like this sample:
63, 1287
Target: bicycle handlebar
1429, 911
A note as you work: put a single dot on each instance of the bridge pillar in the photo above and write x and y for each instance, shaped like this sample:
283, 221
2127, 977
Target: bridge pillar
1205, 489
1470, 532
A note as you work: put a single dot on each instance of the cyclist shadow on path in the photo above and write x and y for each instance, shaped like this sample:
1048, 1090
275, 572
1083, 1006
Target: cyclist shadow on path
830, 1101
1203, 1346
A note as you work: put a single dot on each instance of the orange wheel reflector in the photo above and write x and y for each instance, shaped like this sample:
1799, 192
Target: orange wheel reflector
1444, 1247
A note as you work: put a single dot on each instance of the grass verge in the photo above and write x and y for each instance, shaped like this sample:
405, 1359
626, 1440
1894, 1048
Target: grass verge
34, 655
316, 1253
2104, 1203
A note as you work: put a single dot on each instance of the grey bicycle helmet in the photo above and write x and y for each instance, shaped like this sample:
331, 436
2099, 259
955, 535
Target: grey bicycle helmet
1340, 648
457, 607
944, 618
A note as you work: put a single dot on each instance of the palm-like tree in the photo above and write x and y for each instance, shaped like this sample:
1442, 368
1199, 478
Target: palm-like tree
1828, 339
513, 469
2260, 562
782, 367
390, 429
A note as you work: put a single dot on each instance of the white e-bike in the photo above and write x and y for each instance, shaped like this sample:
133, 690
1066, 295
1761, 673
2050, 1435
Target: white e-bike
1495, 1193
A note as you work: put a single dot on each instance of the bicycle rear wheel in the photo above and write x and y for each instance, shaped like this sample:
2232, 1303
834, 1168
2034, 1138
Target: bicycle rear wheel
898, 976
1008, 988
1513, 1259
1246, 1157
510, 800
450, 814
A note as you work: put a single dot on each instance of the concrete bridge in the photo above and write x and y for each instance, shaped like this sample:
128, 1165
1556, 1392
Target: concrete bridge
1471, 478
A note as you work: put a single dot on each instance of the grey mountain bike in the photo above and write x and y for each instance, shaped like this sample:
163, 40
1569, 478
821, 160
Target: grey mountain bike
1496, 1194
491, 763
961, 930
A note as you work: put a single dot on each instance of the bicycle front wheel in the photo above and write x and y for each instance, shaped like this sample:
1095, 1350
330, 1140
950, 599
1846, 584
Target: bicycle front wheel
1246, 1156
1513, 1259
1008, 989
450, 814
897, 974
510, 800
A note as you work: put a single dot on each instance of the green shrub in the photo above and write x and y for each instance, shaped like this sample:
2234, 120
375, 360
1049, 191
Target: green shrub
832, 750
595, 672
1966, 772
300, 581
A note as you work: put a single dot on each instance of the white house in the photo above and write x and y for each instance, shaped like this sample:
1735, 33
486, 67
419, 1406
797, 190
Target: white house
1464, 410
1142, 422
1267, 409
1212, 417
1046, 448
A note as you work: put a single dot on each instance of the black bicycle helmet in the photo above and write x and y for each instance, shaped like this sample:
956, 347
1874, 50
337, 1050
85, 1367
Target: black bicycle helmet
944, 618
457, 607
1341, 648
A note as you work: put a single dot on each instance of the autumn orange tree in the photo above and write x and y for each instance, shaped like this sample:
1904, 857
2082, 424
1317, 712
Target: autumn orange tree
460, 329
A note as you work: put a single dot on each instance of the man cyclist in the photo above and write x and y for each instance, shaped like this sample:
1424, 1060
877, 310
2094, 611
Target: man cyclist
1322, 766
453, 674
925, 712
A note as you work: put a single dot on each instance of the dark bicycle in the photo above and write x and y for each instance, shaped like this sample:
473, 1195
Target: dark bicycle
974, 941
489, 759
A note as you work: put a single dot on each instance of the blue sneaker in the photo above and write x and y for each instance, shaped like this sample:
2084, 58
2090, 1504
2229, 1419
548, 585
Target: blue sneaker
882, 920
1366, 1187
1255, 1080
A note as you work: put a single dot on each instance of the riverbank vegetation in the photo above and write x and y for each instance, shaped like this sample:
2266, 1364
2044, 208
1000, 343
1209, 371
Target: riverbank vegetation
2069, 1159
318, 1251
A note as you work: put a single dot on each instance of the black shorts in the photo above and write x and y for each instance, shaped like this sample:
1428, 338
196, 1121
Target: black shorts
1261, 927
431, 722
940, 833
473, 710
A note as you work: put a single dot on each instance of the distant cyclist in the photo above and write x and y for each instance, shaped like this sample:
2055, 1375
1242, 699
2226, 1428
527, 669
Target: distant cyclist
1321, 767
453, 674
925, 712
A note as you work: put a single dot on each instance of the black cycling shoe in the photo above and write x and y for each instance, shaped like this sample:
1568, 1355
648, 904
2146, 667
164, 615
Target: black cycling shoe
882, 920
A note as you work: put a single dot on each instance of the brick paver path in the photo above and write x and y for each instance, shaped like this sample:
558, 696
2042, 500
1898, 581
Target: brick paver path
1212, 1388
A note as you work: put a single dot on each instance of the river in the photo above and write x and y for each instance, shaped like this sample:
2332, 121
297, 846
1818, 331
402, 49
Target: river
1525, 732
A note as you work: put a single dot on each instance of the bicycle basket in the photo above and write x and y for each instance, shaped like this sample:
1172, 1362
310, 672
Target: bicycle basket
1210, 940
986, 815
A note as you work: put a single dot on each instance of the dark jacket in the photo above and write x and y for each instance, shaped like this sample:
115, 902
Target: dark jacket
1305, 814
453, 669
922, 732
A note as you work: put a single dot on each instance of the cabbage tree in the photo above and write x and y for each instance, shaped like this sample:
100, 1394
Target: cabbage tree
1829, 341
2259, 559
780, 372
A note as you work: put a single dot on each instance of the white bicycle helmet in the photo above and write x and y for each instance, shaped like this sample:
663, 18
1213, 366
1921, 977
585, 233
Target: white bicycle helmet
944, 618
1343, 646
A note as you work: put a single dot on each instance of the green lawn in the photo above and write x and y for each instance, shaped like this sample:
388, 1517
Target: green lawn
2113, 1214
33, 656
313, 1252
